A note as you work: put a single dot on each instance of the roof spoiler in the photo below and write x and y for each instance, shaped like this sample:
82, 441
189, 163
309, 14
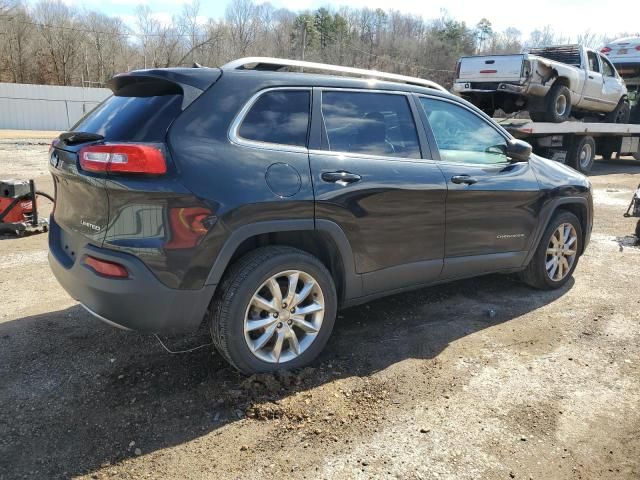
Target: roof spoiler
188, 82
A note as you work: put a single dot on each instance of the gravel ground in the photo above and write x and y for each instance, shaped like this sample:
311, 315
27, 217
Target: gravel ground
423, 385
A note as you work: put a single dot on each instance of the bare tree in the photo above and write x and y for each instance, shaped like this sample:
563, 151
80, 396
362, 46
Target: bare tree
50, 42
62, 37
241, 15
18, 33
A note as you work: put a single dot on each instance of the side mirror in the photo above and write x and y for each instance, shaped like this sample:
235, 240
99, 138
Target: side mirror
519, 150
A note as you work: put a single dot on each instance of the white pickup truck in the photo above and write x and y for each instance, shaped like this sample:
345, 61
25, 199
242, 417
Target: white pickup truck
551, 83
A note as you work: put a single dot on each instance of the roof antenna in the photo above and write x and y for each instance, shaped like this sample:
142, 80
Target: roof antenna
196, 65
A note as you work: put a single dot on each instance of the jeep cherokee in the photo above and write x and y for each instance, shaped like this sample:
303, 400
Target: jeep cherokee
262, 201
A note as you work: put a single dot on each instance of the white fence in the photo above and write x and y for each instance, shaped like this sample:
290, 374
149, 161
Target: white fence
45, 107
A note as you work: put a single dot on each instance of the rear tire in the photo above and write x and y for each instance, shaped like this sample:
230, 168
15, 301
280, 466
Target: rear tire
582, 155
252, 326
558, 104
621, 114
537, 274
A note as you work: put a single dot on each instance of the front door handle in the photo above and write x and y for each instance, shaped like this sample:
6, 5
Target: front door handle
464, 179
341, 177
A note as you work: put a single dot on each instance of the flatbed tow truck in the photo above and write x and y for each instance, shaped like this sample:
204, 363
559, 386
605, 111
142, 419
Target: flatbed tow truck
577, 143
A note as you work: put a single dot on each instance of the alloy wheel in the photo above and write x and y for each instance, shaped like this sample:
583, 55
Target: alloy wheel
561, 105
284, 316
561, 252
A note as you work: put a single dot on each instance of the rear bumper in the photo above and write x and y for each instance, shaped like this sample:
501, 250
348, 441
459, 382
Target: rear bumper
484, 87
140, 302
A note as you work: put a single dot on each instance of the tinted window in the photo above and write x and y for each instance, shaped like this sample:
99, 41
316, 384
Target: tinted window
594, 66
463, 136
370, 123
607, 69
278, 116
132, 119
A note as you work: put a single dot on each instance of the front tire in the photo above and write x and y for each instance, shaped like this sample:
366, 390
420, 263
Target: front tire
556, 257
621, 114
274, 310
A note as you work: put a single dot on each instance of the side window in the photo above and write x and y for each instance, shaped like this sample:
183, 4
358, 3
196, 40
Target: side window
278, 116
592, 57
462, 136
607, 68
370, 123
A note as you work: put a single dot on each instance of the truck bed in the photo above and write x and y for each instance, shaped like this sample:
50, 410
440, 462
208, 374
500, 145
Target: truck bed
523, 128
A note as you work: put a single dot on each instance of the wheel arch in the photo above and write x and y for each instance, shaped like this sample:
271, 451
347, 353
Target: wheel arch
323, 239
580, 211
579, 206
564, 81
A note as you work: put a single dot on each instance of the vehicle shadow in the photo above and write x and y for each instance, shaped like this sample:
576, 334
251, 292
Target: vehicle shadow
76, 393
622, 165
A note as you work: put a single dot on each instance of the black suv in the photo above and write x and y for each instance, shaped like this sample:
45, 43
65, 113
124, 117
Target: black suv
261, 201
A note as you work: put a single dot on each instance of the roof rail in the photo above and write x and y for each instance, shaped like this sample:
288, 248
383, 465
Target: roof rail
274, 64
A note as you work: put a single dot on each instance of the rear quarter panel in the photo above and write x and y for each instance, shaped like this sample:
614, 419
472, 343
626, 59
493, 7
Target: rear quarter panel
228, 178
545, 72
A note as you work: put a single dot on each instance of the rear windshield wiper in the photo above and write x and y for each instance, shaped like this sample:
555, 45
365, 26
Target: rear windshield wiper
73, 138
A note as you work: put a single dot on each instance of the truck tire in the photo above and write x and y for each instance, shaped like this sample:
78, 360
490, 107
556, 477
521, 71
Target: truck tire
582, 154
490, 111
620, 114
554, 251
274, 310
634, 116
538, 116
558, 104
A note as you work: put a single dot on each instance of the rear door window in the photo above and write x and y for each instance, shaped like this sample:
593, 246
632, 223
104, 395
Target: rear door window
278, 116
378, 124
132, 119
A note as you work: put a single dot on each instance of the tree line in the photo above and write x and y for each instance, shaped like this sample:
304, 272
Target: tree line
51, 42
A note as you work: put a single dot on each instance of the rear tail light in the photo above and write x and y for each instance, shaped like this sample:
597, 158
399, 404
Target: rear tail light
123, 158
188, 226
52, 147
108, 269
458, 69
638, 47
605, 50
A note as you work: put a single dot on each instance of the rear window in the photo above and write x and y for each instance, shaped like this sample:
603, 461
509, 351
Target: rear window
278, 116
132, 119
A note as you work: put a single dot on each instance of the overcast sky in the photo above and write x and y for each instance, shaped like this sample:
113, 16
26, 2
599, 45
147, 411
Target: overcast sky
566, 17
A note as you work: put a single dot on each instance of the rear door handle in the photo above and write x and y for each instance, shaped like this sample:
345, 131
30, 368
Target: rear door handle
464, 179
341, 177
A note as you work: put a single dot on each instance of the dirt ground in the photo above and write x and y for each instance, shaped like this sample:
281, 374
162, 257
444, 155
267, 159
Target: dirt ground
476, 379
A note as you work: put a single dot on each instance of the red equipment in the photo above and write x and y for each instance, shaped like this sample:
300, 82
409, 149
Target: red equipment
19, 207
